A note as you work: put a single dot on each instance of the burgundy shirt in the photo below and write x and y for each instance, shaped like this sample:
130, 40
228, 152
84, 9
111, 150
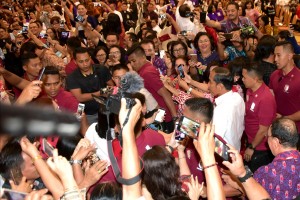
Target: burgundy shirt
260, 110
153, 83
70, 67
287, 91
66, 101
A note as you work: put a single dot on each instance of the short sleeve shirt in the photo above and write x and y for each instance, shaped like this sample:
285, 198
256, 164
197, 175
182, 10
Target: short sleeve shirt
227, 25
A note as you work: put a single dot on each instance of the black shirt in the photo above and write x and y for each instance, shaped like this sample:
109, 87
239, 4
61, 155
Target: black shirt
89, 84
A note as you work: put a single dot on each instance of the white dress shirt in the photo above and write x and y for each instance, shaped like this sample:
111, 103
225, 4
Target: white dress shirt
229, 118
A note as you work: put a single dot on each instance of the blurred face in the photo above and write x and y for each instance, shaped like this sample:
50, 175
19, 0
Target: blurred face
55, 25
32, 15
249, 6
153, 23
178, 50
33, 68
204, 44
50, 33
34, 28
261, 22
111, 40
127, 41
212, 85
81, 10
101, 56
183, 63
83, 61
28, 168
124, 7
117, 75
232, 12
156, 44
115, 53
52, 85
248, 79
281, 57
219, 5
240, 12
47, 8
149, 49
2, 33
136, 62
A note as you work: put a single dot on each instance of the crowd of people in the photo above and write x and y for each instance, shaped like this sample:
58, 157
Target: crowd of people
182, 99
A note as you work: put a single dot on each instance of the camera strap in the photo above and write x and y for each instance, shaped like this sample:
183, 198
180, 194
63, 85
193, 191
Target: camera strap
113, 159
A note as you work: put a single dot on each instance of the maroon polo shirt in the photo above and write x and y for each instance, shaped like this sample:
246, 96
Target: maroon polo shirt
70, 67
287, 91
66, 101
260, 110
153, 83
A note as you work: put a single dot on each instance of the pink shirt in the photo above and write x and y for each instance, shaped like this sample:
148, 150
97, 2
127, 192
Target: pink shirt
260, 110
66, 101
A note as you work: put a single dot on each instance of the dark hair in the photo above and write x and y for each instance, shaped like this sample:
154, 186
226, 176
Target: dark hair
54, 19
118, 67
287, 46
233, 3
28, 47
286, 131
55, 33
247, 2
107, 191
51, 70
201, 106
211, 40
264, 48
122, 59
184, 58
265, 19
27, 56
285, 34
160, 174
80, 50
73, 43
10, 159
112, 24
133, 37
224, 77
183, 10
254, 69
136, 49
104, 48
210, 8
113, 33
66, 145
178, 42
38, 22
147, 41
46, 3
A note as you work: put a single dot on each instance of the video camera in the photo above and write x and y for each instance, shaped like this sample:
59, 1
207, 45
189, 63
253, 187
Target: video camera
247, 30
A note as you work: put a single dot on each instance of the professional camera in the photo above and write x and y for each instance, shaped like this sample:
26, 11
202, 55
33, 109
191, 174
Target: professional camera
112, 104
247, 31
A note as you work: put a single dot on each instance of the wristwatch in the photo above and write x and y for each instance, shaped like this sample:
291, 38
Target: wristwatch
248, 175
250, 146
75, 162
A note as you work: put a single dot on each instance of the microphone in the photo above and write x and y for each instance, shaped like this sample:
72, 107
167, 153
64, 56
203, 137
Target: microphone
131, 82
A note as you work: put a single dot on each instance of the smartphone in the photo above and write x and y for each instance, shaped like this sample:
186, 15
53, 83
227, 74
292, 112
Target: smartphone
148, 58
178, 135
41, 73
162, 16
180, 70
162, 53
47, 148
184, 33
221, 148
188, 127
79, 18
228, 36
80, 109
97, 4
194, 57
13, 195
202, 17
160, 115
25, 29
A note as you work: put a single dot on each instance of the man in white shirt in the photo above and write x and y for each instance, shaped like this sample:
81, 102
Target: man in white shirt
230, 107
113, 7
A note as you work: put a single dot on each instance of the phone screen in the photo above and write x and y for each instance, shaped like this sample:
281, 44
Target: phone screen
41, 73
25, 29
228, 36
181, 73
188, 127
47, 148
80, 108
13, 195
221, 148
160, 115
65, 34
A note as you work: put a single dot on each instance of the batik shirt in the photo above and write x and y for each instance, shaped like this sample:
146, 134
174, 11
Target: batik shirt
281, 178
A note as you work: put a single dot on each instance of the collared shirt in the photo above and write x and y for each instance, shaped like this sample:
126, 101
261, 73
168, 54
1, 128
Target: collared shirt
233, 53
260, 110
281, 178
287, 92
229, 118
66, 101
228, 25
153, 84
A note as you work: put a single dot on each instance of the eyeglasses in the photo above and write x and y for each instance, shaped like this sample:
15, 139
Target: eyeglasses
100, 55
178, 50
